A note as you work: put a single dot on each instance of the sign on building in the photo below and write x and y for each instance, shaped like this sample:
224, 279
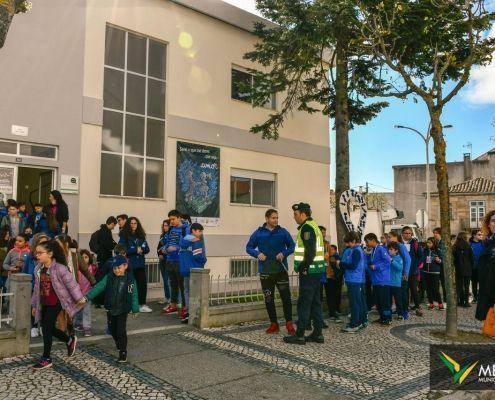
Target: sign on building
198, 182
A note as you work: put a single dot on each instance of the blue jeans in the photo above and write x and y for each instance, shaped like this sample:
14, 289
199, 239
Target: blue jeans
382, 293
309, 304
166, 283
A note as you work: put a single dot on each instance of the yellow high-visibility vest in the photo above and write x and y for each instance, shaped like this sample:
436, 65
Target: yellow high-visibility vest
319, 265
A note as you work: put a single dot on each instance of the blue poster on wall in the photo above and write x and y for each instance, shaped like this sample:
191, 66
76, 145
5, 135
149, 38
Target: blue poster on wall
198, 182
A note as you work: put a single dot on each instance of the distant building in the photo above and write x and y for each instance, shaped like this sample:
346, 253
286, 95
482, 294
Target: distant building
469, 202
410, 181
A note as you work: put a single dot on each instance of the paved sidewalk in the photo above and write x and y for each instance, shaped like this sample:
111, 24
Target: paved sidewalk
238, 362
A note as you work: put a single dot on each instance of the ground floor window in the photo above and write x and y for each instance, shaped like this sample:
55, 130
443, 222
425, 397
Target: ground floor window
252, 188
476, 213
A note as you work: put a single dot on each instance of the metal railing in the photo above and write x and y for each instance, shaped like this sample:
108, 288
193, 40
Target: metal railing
240, 267
227, 290
153, 274
5, 314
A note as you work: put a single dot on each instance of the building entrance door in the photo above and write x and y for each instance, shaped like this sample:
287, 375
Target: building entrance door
34, 185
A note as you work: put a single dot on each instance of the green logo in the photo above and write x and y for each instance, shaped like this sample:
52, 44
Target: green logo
459, 374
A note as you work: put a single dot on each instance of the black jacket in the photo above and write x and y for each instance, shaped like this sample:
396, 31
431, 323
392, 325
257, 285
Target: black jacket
486, 276
62, 215
105, 244
463, 259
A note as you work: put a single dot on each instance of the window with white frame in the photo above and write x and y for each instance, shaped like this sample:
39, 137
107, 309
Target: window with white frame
28, 149
133, 140
477, 211
240, 78
252, 188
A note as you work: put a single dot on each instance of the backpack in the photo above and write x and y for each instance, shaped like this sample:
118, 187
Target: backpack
93, 242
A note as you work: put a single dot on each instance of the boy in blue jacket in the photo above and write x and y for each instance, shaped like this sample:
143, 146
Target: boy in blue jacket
396, 278
353, 263
379, 265
271, 245
192, 255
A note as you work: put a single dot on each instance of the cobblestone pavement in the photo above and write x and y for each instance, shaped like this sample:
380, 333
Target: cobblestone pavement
377, 363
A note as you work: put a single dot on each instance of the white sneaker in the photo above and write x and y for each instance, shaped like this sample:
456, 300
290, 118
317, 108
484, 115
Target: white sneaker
145, 309
34, 332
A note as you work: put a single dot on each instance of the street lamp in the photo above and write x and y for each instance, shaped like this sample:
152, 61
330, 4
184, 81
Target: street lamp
426, 138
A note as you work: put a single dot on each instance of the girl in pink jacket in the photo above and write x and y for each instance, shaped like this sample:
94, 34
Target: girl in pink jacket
83, 318
55, 289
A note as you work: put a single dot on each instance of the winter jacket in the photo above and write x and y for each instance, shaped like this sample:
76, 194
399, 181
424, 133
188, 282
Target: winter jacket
175, 234
104, 244
121, 295
160, 248
192, 255
406, 259
486, 276
396, 271
353, 263
380, 258
62, 215
270, 243
65, 286
6, 222
131, 244
477, 248
463, 259
14, 256
430, 266
30, 266
84, 283
38, 223
416, 255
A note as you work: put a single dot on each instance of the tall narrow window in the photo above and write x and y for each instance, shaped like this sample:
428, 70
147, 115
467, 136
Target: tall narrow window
477, 211
240, 79
133, 139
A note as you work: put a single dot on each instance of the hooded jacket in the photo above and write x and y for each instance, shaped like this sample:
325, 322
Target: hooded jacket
14, 256
477, 248
173, 238
192, 254
463, 259
396, 271
380, 258
105, 244
270, 243
131, 245
353, 263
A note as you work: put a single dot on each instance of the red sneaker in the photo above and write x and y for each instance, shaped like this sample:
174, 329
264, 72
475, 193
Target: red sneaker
169, 310
431, 306
441, 307
290, 328
273, 328
183, 313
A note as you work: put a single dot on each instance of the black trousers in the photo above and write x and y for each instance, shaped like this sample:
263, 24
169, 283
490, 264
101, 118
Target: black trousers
176, 282
462, 285
118, 328
474, 283
442, 283
370, 297
281, 282
413, 289
433, 287
333, 298
142, 284
48, 320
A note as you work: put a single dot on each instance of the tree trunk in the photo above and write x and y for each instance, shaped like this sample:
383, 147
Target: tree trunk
5, 21
443, 195
341, 134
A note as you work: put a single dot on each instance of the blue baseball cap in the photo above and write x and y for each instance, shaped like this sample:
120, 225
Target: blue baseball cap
117, 261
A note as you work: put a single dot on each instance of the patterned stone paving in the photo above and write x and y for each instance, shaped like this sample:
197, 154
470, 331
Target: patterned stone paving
377, 363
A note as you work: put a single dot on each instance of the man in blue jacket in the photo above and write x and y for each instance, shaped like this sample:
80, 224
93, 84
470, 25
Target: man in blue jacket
416, 254
271, 245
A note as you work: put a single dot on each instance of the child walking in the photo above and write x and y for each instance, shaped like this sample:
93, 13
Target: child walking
83, 318
55, 289
192, 255
432, 264
396, 279
121, 297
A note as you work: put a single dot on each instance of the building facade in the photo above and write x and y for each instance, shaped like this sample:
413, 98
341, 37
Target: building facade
410, 181
106, 97
469, 203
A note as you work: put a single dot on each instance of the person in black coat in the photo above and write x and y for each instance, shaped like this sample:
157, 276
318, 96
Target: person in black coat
486, 268
464, 263
60, 210
104, 241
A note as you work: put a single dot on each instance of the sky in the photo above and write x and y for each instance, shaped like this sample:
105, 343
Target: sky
376, 147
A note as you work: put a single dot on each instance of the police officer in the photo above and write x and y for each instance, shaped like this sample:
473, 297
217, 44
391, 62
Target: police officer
309, 262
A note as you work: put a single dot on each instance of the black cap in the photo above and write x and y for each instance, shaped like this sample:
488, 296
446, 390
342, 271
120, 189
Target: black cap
301, 207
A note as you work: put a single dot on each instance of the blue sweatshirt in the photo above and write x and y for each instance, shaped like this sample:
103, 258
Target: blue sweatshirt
175, 234
381, 260
477, 248
192, 254
131, 245
396, 271
406, 259
270, 243
354, 264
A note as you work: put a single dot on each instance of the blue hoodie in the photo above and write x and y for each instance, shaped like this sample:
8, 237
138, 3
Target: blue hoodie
477, 248
270, 243
175, 234
396, 271
406, 259
381, 260
354, 264
192, 254
131, 245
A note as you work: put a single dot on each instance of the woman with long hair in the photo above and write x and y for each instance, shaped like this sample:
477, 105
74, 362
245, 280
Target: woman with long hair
486, 268
60, 210
162, 256
55, 289
133, 238
52, 228
476, 243
463, 263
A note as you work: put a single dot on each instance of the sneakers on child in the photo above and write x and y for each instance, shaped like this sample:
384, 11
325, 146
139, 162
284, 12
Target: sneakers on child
351, 329
431, 306
335, 319
291, 330
42, 364
145, 309
185, 319
169, 309
122, 357
34, 332
71, 346
441, 307
183, 313
273, 328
